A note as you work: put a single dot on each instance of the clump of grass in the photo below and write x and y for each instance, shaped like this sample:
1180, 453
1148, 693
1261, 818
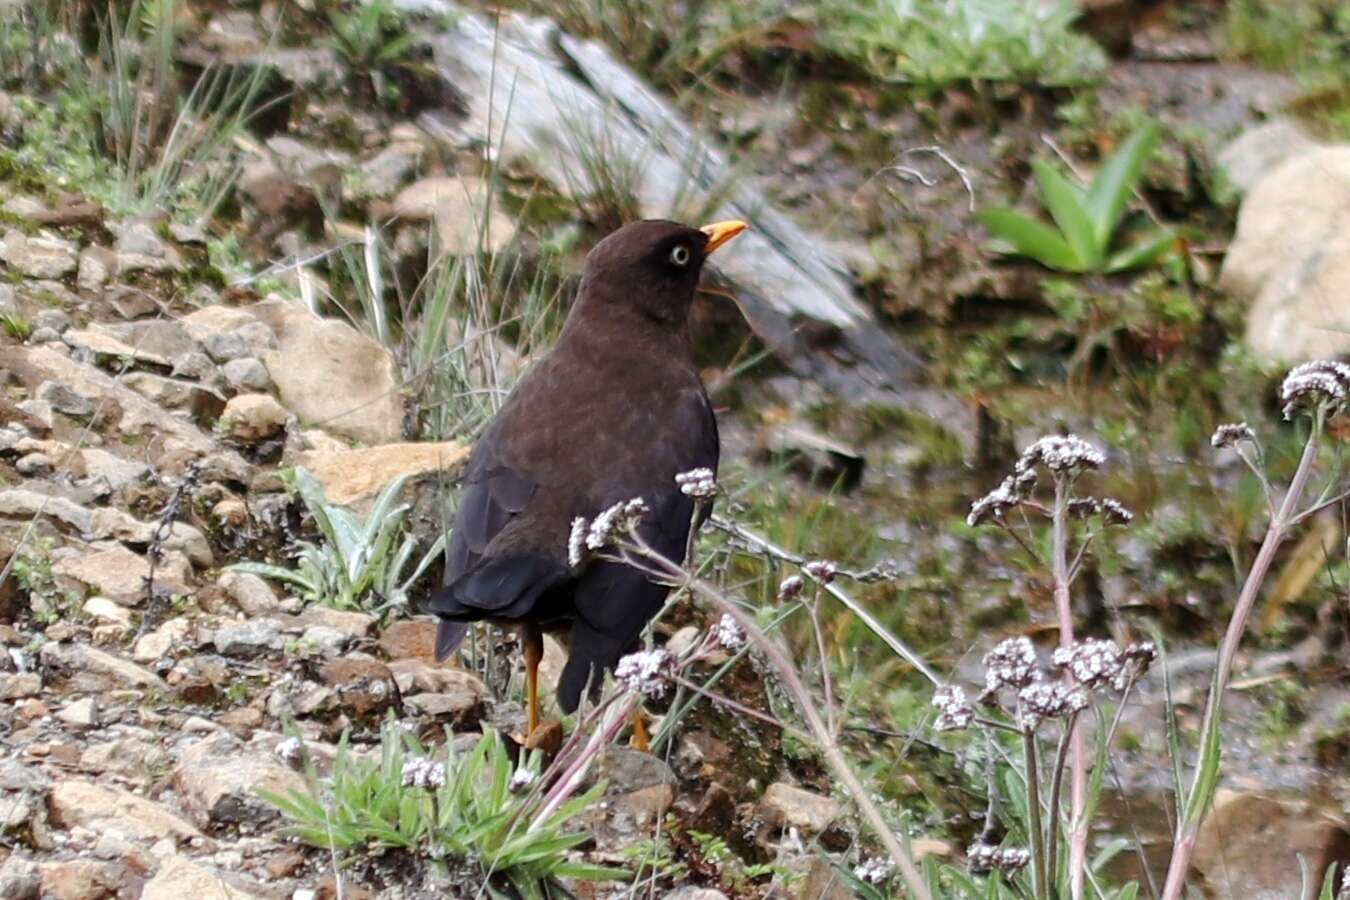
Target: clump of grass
471, 816
934, 43
1087, 217
359, 564
370, 37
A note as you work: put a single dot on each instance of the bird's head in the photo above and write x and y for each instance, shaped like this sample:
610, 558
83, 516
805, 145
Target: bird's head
652, 267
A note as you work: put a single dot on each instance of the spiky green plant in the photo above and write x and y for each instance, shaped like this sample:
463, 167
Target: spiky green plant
1087, 217
361, 564
460, 810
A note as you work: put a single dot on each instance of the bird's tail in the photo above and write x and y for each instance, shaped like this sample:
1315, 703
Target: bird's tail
449, 635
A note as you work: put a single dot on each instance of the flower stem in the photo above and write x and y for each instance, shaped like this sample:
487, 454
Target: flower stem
1037, 838
1179, 866
1059, 561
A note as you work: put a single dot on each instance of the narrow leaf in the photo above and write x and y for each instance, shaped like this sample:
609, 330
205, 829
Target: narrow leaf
1116, 181
1031, 239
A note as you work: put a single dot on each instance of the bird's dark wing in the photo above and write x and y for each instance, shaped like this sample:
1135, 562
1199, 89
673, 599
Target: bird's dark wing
493, 494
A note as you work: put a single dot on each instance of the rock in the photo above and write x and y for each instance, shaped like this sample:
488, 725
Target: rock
785, 806
136, 758
19, 503
246, 374
382, 174
324, 641
39, 256
1254, 153
19, 880
65, 401
118, 574
82, 713
96, 266
139, 239
78, 660
1291, 258
109, 470
254, 417
55, 319
98, 807
625, 770
204, 403
353, 624
104, 347
349, 476
133, 414
162, 337
220, 781
107, 611
250, 639
33, 465
210, 321
179, 878
224, 346
82, 879
1248, 845
160, 643
332, 376
453, 705
410, 639
365, 688
249, 592
466, 212
16, 687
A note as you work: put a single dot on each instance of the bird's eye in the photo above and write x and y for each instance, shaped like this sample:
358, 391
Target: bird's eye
680, 255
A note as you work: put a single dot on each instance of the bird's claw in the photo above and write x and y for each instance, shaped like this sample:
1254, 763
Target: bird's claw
546, 736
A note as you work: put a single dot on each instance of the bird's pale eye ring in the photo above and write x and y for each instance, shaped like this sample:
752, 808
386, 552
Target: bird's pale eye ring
680, 255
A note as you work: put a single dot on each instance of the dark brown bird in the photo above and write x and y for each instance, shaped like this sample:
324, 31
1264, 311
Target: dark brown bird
614, 411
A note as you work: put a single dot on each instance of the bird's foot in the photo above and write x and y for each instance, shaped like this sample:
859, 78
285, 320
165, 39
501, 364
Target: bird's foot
546, 736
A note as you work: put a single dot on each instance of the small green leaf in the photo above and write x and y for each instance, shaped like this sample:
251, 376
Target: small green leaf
1116, 181
1031, 239
1157, 245
1065, 202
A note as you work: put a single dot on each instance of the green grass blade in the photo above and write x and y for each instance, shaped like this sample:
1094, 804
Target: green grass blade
1065, 202
1031, 239
1157, 245
1116, 181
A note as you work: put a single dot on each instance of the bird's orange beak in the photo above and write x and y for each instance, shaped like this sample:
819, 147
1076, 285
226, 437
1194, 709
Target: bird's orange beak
720, 232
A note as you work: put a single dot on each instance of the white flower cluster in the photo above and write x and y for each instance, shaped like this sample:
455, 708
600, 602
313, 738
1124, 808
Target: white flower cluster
1229, 435
701, 484
1096, 663
1093, 663
586, 538
996, 504
1061, 453
728, 633
954, 710
982, 857
1011, 664
1313, 383
822, 570
791, 587
874, 871
420, 772
646, 672
289, 750
521, 779
1113, 512
1048, 700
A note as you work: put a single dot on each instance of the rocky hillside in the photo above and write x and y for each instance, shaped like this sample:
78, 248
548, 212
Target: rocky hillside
266, 269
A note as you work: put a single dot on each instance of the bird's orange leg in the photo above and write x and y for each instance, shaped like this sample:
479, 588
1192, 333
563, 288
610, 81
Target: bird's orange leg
640, 740
534, 652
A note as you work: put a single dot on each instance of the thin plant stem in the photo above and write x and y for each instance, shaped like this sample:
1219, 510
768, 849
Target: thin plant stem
1056, 784
1059, 560
1036, 836
1184, 848
663, 568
